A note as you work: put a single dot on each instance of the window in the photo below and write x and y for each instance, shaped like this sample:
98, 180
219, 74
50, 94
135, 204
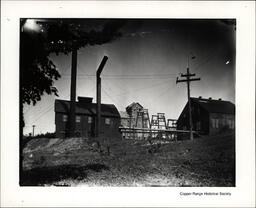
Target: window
231, 124
89, 119
215, 123
65, 118
78, 119
198, 125
107, 121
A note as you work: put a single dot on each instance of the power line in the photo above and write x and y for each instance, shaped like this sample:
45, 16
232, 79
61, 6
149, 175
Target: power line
122, 75
143, 88
43, 114
46, 110
110, 97
164, 92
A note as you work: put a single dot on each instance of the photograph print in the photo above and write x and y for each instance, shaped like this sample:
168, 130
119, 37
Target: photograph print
127, 102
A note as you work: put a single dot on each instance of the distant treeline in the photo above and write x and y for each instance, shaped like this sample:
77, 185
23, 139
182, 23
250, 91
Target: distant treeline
45, 135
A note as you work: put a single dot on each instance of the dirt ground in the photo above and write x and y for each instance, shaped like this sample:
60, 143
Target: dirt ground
206, 161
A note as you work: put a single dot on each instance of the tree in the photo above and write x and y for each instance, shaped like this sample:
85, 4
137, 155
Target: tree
37, 71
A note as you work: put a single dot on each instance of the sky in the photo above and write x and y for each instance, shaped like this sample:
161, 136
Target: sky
143, 66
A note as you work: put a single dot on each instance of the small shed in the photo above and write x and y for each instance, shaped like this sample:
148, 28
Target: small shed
86, 118
209, 116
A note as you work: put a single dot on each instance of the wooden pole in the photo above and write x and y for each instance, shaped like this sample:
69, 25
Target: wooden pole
33, 126
189, 107
188, 80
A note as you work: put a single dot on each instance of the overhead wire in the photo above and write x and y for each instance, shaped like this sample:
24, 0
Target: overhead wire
132, 76
143, 88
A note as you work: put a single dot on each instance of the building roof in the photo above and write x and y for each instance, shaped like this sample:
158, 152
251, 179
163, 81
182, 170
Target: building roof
129, 107
107, 110
124, 114
215, 106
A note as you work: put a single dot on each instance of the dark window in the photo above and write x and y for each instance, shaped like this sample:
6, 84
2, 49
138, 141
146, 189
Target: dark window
65, 118
78, 119
107, 121
215, 123
89, 119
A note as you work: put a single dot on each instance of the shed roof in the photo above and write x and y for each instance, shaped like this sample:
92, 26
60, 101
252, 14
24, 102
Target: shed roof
215, 106
107, 110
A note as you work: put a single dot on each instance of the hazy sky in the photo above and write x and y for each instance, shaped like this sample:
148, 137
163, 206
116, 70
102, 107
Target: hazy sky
143, 65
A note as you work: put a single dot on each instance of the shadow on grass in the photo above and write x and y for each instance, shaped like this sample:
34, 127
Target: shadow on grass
50, 175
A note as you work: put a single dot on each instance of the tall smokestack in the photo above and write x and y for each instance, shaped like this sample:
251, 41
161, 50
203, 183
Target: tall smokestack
72, 119
98, 87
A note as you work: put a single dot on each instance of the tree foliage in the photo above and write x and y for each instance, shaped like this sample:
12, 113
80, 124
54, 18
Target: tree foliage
37, 70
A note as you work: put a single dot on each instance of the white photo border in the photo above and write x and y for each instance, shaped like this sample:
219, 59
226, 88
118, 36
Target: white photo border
241, 196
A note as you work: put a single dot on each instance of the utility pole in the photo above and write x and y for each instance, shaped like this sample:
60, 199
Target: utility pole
72, 116
188, 80
98, 87
33, 132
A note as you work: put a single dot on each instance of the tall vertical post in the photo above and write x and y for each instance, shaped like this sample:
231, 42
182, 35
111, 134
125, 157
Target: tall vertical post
98, 87
188, 80
33, 132
98, 83
189, 108
72, 119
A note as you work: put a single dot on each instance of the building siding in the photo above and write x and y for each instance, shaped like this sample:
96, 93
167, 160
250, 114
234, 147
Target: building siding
86, 129
86, 113
205, 122
220, 122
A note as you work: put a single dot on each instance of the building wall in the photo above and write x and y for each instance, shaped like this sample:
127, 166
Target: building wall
221, 122
125, 122
85, 125
205, 123
200, 120
133, 113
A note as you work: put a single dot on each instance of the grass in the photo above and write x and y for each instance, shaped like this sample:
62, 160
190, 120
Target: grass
207, 161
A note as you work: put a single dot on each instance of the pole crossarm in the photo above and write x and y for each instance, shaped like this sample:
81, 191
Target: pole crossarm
188, 75
186, 80
194, 79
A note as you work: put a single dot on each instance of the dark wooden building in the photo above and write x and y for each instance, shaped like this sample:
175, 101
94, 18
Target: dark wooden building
208, 116
86, 118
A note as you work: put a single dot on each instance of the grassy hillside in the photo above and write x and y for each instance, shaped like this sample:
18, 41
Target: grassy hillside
207, 161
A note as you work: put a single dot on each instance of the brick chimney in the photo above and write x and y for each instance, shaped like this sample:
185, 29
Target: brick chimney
85, 99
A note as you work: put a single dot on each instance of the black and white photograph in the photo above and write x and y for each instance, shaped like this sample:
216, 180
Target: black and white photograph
127, 102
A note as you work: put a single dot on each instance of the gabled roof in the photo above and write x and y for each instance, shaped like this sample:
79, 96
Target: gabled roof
215, 106
132, 105
107, 110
